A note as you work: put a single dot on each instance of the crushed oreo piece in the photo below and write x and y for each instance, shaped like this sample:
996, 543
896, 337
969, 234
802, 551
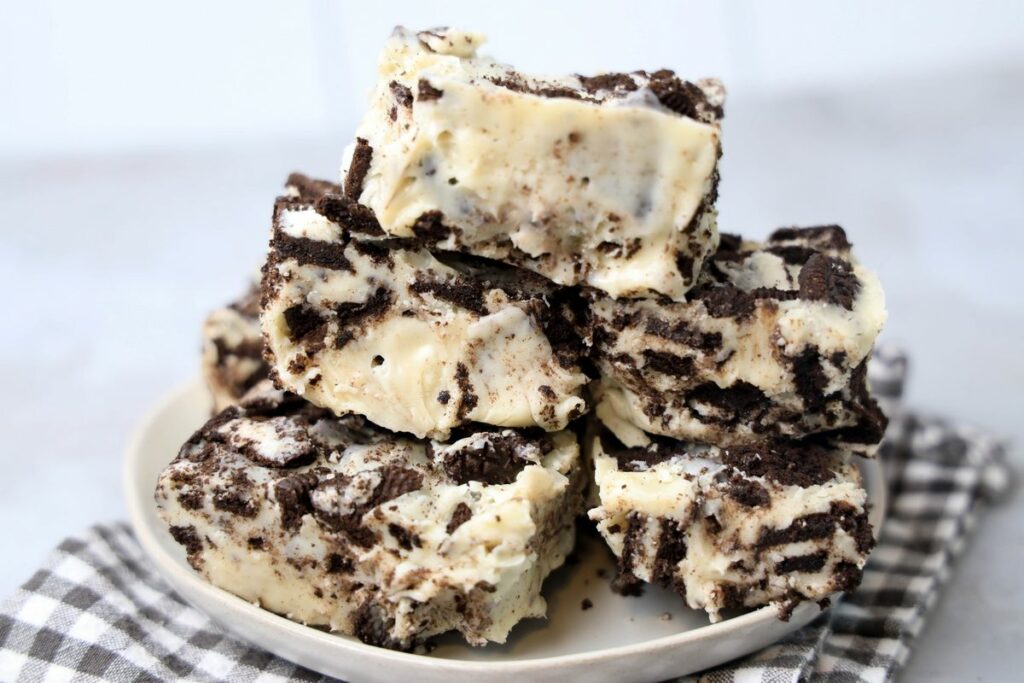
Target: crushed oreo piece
430, 227
402, 94
496, 458
462, 292
802, 563
460, 516
303, 321
609, 81
469, 399
352, 314
682, 97
311, 252
349, 214
824, 278
787, 463
426, 92
358, 169
292, 495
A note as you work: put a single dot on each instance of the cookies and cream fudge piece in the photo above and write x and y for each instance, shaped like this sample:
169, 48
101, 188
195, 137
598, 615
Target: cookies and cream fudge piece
773, 342
416, 342
338, 523
232, 359
731, 527
608, 181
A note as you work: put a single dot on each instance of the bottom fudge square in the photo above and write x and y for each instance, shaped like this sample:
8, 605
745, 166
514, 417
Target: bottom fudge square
338, 523
731, 527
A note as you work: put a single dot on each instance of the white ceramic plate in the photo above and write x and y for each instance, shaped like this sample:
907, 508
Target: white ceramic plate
649, 638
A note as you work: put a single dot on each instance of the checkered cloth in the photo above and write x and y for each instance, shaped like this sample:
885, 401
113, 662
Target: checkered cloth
97, 611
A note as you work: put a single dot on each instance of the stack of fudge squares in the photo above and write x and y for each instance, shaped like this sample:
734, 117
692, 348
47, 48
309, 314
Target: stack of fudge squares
516, 309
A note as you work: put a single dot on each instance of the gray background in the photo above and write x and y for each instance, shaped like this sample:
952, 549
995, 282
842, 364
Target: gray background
115, 247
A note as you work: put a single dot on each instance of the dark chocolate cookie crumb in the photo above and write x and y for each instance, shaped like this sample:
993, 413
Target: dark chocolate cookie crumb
462, 292
187, 537
748, 493
430, 227
493, 459
668, 363
810, 378
349, 214
371, 625
311, 252
830, 237
405, 539
855, 524
426, 92
802, 563
338, 564
724, 300
626, 582
792, 254
789, 463
610, 81
394, 482
310, 188
681, 333
807, 528
824, 278
671, 551
402, 94
292, 495
741, 401
468, 400
303, 321
460, 516
517, 84
682, 97
353, 314
359, 167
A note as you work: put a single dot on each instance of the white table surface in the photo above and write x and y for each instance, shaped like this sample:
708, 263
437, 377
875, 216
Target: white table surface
111, 263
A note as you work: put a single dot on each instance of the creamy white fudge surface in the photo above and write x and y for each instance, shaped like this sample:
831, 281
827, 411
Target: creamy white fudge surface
608, 181
335, 522
731, 528
416, 341
232, 359
773, 342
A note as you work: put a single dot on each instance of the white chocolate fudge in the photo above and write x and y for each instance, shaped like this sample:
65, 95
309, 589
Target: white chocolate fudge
232, 360
415, 341
608, 181
773, 342
335, 522
731, 528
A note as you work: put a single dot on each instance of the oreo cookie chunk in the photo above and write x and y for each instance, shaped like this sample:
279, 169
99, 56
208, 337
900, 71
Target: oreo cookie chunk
773, 342
772, 523
338, 523
232, 360
416, 341
608, 181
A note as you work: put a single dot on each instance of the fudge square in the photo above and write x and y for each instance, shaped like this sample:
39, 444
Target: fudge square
773, 342
416, 341
608, 181
773, 523
338, 523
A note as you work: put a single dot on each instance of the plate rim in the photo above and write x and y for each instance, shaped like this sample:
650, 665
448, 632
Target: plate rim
171, 570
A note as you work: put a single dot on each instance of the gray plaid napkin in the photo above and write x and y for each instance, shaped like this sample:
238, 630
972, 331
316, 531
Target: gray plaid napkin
97, 611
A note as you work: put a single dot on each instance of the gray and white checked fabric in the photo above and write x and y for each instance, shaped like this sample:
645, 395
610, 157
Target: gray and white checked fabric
97, 611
